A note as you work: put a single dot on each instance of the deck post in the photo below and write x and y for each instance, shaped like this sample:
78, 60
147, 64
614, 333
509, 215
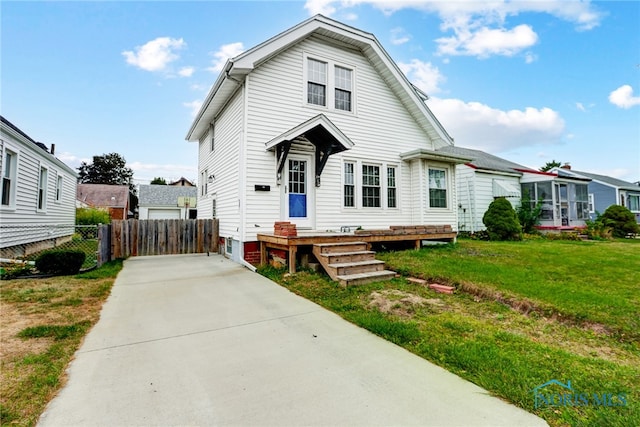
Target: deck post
292, 258
263, 253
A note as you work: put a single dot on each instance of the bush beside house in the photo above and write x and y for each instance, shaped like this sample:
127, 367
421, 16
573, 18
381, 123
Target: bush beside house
501, 221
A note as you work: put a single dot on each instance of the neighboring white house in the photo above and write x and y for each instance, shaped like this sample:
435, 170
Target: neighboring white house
318, 126
480, 181
605, 191
38, 194
166, 202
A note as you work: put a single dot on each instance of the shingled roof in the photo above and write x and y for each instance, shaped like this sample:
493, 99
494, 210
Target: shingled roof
613, 182
103, 195
163, 195
486, 161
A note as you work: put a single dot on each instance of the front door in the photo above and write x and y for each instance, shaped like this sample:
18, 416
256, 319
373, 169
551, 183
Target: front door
298, 194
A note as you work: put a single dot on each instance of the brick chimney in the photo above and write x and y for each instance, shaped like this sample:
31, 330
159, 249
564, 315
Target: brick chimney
566, 166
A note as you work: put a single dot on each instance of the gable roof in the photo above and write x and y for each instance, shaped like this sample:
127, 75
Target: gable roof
485, 161
163, 195
319, 126
38, 147
603, 179
237, 68
103, 195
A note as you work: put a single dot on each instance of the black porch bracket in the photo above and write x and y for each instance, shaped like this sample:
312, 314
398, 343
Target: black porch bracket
321, 160
282, 151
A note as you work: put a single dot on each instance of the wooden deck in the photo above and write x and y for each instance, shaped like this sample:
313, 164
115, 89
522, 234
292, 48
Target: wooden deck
307, 238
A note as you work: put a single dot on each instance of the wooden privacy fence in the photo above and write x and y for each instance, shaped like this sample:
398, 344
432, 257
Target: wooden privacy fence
133, 237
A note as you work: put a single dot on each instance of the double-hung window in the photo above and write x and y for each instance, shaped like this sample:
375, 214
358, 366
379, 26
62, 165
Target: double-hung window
59, 183
634, 202
370, 186
392, 197
343, 88
317, 82
437, 188
9, 167
349, 185
42, 189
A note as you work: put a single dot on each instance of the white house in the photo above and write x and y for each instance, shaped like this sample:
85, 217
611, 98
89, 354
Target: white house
318, 126
38, 194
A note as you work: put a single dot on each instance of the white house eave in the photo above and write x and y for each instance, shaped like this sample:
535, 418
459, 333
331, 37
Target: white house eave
321, 120
423, 154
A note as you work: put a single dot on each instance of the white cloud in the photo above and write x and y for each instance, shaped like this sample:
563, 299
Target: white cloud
484, 42
580, 107
225, 52
71, 160
147, 171
186, 71
476, 125
399, 36
194, 106
156, 54
623, 97
323, 7
423, 74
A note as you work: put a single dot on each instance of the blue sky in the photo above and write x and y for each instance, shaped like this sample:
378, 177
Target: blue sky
528, 81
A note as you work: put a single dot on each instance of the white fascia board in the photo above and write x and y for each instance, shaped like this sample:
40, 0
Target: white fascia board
321, 120
432, 155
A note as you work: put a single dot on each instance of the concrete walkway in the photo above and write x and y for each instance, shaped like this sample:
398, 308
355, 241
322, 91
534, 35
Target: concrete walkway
197, 340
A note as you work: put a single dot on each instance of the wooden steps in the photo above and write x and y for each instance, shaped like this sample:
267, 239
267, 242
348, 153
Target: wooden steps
350, 263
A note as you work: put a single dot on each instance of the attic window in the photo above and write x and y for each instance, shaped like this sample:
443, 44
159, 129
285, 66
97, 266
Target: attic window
329, 84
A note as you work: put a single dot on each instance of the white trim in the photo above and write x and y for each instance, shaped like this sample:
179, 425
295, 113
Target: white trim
44, 189
319, 120
13, 188
448, 188
330, 83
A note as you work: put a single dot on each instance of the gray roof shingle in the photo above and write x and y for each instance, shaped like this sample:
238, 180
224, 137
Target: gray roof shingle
163, 195
485, 161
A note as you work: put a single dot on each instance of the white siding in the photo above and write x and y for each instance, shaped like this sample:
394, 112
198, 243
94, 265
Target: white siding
381, 129
223, 163
30, 158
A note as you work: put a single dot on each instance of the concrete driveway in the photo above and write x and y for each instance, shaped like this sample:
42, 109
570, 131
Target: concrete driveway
197, 340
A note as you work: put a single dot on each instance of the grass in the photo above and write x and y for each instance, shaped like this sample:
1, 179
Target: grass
43, 323
523, 313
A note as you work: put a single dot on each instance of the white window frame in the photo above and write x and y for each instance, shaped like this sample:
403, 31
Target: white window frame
352, 184
43, 189
446, 188
59, 186
358, 182
13, 175
394, 187
592, 203
330, 89
212, 139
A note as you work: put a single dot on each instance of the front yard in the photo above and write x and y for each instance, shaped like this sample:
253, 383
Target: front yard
524, 313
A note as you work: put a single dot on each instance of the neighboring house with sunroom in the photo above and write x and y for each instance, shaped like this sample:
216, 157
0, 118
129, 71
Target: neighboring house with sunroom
318, 126
38, 194
167, 202
604, 191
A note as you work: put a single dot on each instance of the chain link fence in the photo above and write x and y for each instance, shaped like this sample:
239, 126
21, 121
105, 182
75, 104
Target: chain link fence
23, 243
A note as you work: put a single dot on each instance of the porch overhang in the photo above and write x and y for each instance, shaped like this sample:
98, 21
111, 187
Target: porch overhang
505, 189
320, 132
438, 156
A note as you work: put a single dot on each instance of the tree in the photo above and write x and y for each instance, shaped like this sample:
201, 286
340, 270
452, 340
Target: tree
528, 213
621, 220
501, 221
107, 169
158, 181
550, 165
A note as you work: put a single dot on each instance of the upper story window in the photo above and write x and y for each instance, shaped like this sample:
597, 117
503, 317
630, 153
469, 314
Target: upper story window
317, 82
343, 88
42, 189
329, 84
9, 167
437, 188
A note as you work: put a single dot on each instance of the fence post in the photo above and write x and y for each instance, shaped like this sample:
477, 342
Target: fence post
104, 243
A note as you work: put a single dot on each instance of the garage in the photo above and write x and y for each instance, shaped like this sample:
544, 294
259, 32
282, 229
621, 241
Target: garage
164, 213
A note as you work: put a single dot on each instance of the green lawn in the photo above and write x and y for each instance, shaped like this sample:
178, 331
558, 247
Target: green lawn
524, 313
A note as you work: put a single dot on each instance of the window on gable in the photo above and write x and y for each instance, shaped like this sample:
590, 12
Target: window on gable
349, 185
9, 167
370, 186
42, 189
317, 82
342, 88
392, 201
437, 188
59, 188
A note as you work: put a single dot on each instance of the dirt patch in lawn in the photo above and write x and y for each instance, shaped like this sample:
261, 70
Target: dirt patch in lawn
399, 303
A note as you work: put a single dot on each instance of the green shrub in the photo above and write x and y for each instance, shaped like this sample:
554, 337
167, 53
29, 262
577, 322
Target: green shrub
529, 216
501, 221
13, 270
91, 216
596, 229
60, 262
621, 220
